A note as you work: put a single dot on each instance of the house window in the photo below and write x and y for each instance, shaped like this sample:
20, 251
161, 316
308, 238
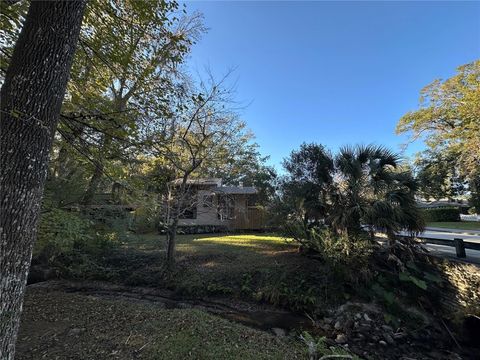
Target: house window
188, 213
207, 201
252, 200
189, 205
226, 208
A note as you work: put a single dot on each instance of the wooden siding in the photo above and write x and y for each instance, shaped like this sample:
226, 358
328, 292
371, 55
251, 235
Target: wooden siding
251, 218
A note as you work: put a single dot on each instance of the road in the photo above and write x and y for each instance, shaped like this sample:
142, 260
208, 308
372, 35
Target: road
473, 256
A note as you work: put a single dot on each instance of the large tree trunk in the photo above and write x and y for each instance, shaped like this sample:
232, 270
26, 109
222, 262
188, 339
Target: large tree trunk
31, 98
93, 183
120, 106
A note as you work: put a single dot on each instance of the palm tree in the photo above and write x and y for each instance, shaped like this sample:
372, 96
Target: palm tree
371, 190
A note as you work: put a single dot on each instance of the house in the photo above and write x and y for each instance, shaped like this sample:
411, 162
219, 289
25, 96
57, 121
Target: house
461, 205
224, 207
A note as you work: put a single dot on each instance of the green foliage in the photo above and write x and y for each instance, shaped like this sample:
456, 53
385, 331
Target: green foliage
406, 276
348, 257
361, 186
318, 348
145, 219
60, 231
293, 293
306, 188
449, 117
405, 284
441, 214
72, 245
373, 190
438, 175
218, 289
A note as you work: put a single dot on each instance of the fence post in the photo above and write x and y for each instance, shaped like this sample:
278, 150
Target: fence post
459, 247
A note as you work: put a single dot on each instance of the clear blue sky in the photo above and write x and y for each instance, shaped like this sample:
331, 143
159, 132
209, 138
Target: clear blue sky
333, 73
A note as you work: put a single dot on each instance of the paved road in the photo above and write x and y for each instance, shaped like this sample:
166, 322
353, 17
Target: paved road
471, 232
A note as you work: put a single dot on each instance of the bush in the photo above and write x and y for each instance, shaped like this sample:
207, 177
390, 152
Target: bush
347, 256
59, 231
441, 214
145, 220
64, 236
473, 211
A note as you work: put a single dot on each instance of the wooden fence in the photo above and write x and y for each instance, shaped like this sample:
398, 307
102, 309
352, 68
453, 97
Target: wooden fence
254, 218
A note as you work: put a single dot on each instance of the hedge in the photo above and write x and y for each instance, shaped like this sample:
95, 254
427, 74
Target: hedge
441, 214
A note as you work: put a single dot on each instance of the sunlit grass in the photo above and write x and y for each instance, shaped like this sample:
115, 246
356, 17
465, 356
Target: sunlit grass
244, 240
461, 225
209, 242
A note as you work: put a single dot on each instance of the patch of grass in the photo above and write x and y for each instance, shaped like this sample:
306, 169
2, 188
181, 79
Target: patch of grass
71, 326
461, 225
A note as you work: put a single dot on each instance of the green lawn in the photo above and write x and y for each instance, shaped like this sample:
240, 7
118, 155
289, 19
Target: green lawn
251, 267
260, 267
462, 225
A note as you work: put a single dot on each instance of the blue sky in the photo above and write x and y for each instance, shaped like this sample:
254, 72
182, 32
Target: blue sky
334, 73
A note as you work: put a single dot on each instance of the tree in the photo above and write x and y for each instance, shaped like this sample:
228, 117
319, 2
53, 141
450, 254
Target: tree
124, 72
372, 190
136, 73
31, 99
201, 130
361, 187
307, 186
242, 163
438, 176
449, 120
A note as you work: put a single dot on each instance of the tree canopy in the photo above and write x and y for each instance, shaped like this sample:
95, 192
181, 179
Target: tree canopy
448, 118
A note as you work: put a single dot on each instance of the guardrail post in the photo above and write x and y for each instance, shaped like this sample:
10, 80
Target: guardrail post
459, 247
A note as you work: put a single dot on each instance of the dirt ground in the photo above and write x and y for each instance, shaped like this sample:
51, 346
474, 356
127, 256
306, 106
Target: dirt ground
59, 325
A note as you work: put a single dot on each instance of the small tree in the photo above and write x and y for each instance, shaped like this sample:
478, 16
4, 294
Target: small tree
201, 127
307, 186
372, 190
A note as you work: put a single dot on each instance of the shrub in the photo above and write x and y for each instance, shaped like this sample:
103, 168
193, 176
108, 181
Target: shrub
59, 231
441, 214
67, 240
347, 256
473, 211
145, 220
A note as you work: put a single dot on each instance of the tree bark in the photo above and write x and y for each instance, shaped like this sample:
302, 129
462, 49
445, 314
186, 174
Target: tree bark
171, 241
31, 98
173, 227
93, 183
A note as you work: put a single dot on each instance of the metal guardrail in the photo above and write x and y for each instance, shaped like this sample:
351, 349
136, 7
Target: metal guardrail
469, 217
459, 244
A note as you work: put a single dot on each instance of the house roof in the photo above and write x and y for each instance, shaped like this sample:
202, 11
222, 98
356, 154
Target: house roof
217, 187
206, 181
440, 203
235, 190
